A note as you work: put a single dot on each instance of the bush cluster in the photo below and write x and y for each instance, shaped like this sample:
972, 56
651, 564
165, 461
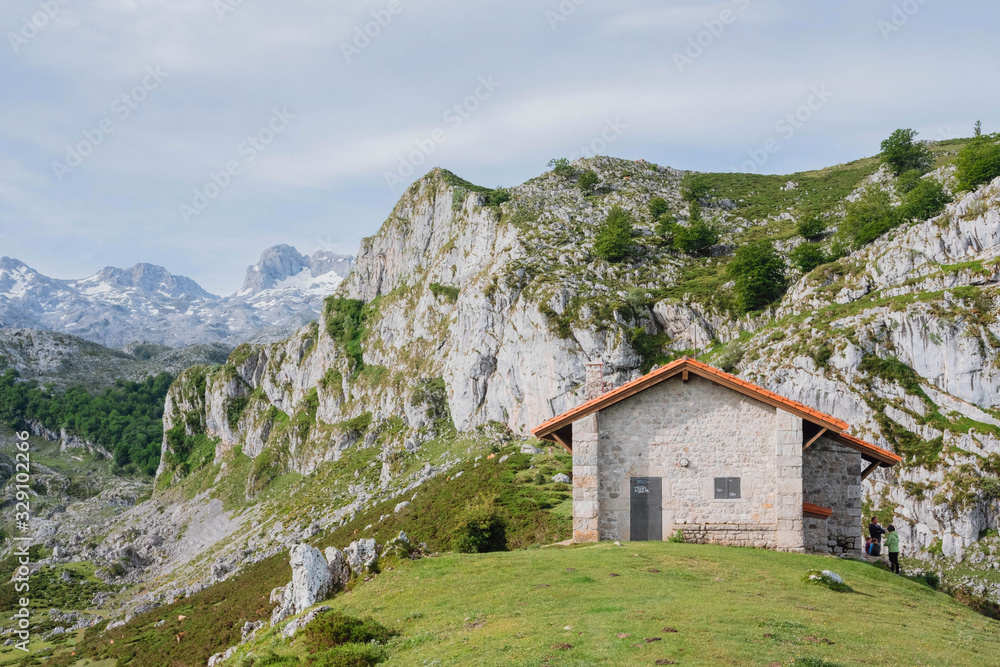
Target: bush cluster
924, 200
345, 323
482, 529
663, 218
869, 217
811, 227
694, 188
872, 215
497, 196
807, 256
978, 162
588, 181
658, 207
903, 154
333, 628
698, 236
759, 275
561, 167
614, 236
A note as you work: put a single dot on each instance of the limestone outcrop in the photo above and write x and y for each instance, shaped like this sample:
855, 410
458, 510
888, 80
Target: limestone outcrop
459, 315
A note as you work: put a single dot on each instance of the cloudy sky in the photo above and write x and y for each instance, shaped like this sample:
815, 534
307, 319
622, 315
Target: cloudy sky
195, 133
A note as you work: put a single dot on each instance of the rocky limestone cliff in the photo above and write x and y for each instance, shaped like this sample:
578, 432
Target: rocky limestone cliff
910, 357
443, 294
461, 316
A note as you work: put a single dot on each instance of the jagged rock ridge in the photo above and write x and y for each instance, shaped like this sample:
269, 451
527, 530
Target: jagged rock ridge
492, 341
462, 316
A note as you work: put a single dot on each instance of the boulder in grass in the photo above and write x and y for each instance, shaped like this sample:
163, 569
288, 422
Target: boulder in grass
249, 629
340, 571
310, 583
826, 578
220, 658
562, 478
833, 576
399, 547
302, 621
362, 556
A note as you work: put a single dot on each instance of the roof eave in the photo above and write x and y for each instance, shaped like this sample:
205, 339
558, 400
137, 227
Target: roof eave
703, 371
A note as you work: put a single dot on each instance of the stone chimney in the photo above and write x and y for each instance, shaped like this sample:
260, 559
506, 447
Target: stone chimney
595, 380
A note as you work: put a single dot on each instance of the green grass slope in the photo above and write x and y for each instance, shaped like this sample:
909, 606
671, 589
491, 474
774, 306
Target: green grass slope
607, 604
536, 511
728, 605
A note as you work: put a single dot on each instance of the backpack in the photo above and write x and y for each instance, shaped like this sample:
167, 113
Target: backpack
874, 549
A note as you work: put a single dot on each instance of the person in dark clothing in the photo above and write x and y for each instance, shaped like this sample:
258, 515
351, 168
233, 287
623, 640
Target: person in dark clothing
876, 531
892, 546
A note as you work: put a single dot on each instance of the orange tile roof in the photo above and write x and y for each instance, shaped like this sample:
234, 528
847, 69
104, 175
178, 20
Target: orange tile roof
700, 369
809, 509
884, 456
835, 426
750, 386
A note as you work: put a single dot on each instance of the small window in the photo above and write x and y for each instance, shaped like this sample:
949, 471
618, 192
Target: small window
727, 487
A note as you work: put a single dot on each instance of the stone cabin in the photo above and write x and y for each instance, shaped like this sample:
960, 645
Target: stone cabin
688, 447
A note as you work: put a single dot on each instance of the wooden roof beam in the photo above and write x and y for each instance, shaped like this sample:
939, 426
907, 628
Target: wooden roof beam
870, 469
814, 439
564, 436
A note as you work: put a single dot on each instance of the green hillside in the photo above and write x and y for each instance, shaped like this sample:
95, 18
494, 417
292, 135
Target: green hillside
608, 604
728, 605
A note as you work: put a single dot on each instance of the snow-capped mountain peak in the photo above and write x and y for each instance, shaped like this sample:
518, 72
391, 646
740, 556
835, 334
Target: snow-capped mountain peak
282, 266
114, 306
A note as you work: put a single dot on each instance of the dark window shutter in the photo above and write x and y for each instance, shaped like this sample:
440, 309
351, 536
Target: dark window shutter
727, 488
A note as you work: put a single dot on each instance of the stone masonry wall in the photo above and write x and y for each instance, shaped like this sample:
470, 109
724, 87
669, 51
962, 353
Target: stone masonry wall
731, 534
832, 478
585, 500
723, 434
814, 535
788, 461
585, 445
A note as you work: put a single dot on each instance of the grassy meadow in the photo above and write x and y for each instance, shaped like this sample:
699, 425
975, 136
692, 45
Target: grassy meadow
651, 603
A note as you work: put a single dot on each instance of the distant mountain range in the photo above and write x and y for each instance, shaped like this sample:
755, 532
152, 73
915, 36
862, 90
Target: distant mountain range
115, 307
63, 360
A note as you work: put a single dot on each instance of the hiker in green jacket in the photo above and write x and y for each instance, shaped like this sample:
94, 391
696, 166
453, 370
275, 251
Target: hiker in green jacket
892, 546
